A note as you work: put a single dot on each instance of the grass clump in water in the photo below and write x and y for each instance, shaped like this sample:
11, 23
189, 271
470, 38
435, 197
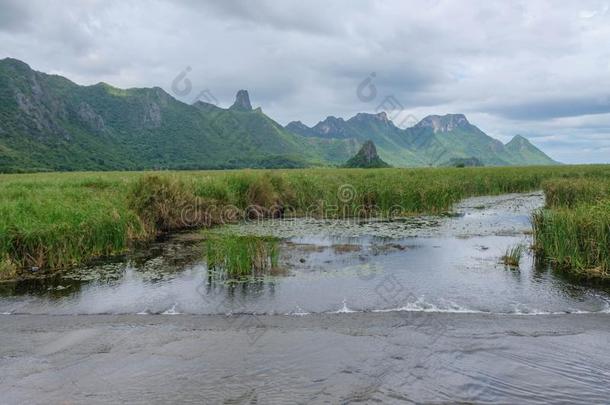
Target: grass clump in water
575, 240
239, 257
513, 254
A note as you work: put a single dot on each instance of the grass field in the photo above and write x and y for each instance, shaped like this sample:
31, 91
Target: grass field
57, 220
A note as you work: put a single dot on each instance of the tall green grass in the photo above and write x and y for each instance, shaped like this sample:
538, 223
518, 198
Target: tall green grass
576, 240
572, 192
573, 231
237, 257
56, 220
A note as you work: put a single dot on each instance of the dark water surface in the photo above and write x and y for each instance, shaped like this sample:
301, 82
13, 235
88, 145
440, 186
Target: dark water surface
417, 310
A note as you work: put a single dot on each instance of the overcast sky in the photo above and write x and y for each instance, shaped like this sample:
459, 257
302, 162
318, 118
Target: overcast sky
536, 68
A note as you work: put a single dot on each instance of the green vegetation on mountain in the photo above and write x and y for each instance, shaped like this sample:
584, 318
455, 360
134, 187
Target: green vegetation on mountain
433, 141
524, 153
48, 123
51, 124
392, 142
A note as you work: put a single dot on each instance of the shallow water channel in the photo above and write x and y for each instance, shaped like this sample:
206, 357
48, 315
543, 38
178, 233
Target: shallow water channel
449, 263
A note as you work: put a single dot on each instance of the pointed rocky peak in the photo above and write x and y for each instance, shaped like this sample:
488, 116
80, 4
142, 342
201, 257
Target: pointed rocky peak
242, 101
444, 123
369, 151
366, 157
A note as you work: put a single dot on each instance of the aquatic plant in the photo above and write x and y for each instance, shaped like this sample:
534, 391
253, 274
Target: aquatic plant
513, 254
575, 240
237, 256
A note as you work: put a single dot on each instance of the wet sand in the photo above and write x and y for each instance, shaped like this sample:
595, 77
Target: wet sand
393, 357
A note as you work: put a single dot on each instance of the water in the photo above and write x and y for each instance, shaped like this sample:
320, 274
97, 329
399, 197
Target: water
419, 310
434, 264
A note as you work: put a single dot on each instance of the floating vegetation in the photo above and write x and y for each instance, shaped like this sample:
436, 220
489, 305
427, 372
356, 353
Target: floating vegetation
513, 254
238, 257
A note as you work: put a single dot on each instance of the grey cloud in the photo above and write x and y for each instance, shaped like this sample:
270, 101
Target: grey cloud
554, 108
537, 68
14, 15
285, 16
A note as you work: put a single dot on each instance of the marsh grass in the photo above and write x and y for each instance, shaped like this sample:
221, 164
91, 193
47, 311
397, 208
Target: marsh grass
238, 257
576, 240
572, 192
8, 270
56, 220
168, 204
513, 254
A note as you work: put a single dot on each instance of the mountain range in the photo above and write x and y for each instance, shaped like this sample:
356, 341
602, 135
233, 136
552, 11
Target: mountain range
49, 123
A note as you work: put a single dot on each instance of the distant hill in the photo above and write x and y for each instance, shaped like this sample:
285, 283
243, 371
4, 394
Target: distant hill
48, 123
392, 142
366, 158
524, 153
433, 141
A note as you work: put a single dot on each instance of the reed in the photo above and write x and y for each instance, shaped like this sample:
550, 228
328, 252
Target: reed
513, 254
575, 240
572, 192
237, 257
56, 220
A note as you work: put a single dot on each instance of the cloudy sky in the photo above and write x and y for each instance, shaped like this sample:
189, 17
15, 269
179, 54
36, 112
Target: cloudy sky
536, 68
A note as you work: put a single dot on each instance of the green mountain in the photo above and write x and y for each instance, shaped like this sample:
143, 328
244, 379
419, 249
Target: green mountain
49, 123
524, 153
391, 141
434, 141
366, 158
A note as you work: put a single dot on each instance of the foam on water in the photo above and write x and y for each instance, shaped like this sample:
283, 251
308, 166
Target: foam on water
171, 311
345, 309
